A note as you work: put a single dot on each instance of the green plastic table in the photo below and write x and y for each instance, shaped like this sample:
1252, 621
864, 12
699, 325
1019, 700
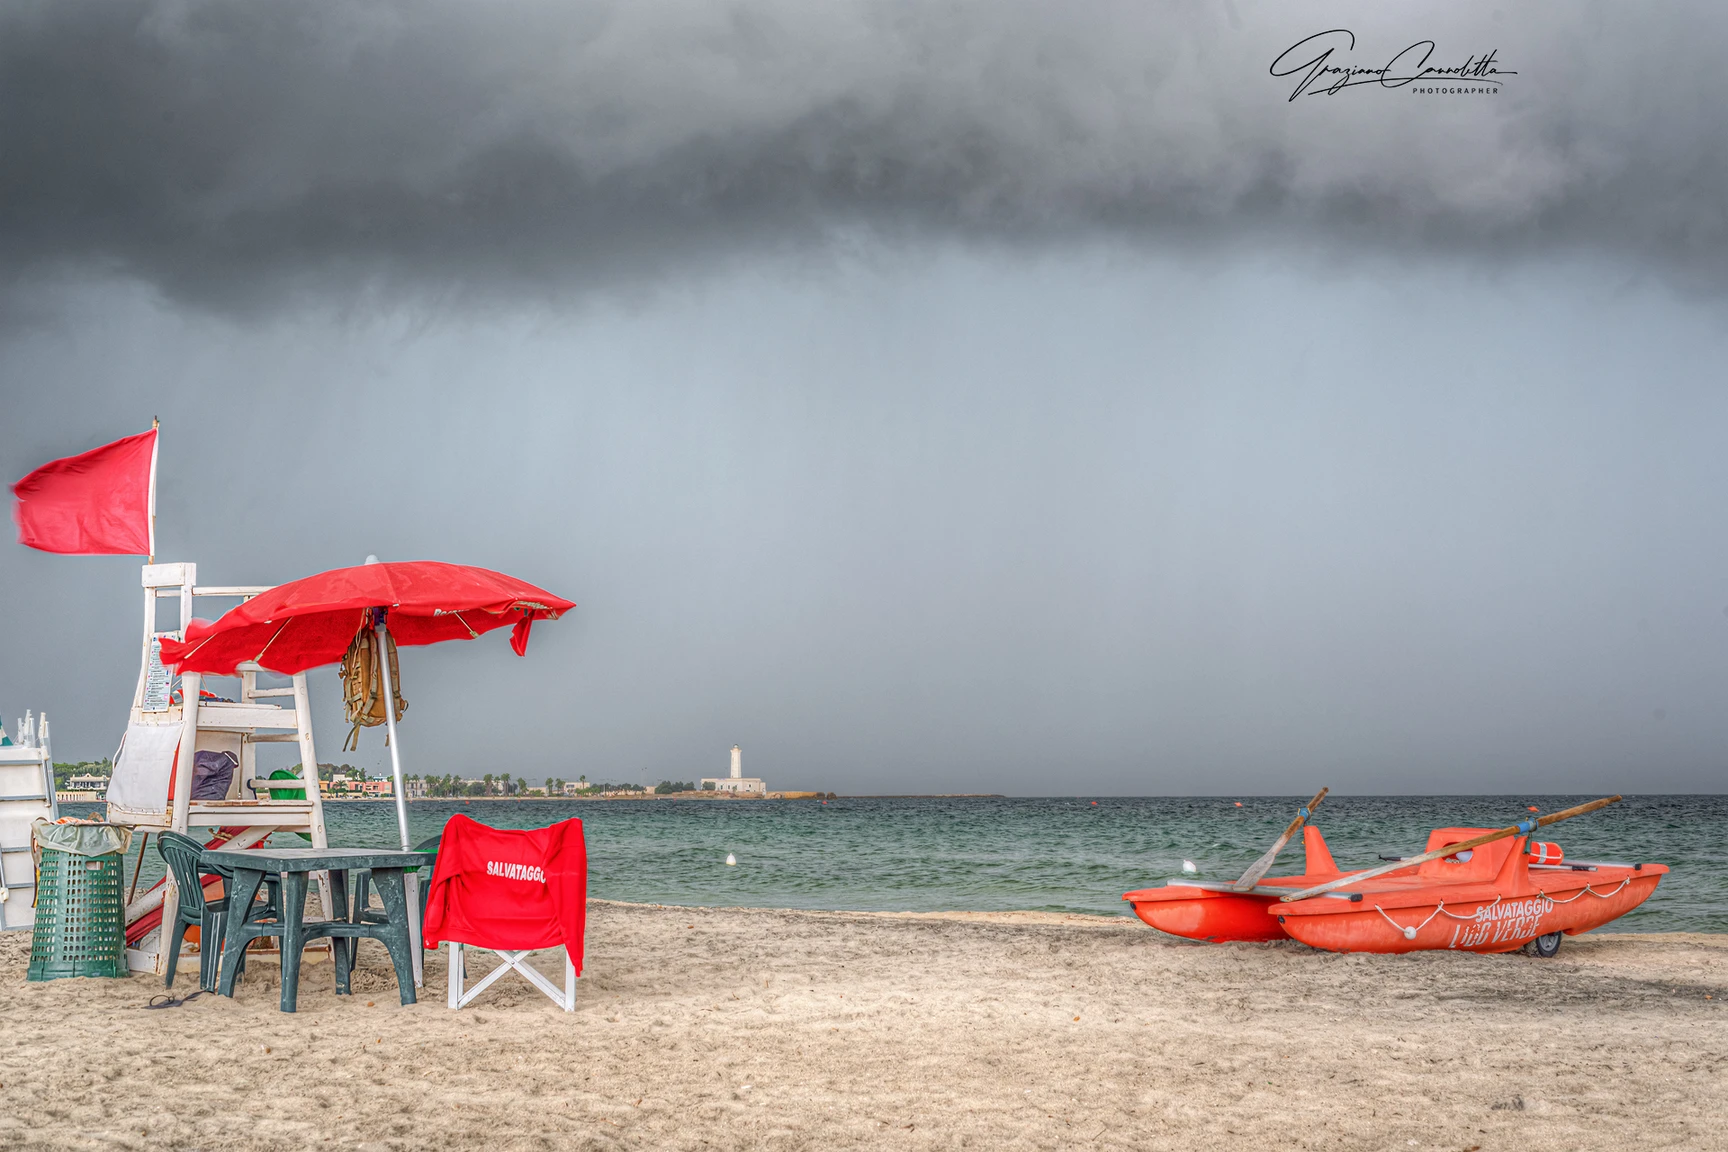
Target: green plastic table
346, 930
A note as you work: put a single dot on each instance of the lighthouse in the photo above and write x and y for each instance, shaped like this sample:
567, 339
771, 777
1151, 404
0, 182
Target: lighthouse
736, 784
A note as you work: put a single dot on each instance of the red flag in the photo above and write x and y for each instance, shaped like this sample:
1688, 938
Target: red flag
100, 502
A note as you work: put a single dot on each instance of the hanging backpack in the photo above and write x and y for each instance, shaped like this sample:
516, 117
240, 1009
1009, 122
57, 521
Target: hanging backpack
363, 687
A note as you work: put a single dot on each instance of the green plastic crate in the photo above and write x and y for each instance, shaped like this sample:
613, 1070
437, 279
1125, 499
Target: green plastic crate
80, 917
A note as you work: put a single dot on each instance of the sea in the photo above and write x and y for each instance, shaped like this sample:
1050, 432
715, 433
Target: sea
1057, 854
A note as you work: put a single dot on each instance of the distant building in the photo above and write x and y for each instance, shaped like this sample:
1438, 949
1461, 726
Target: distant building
83, 788
416, 788
737, 783
342, 786
574, 788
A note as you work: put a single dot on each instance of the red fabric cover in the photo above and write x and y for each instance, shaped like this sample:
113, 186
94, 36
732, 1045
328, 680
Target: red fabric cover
308, 622
506, 888
94, 504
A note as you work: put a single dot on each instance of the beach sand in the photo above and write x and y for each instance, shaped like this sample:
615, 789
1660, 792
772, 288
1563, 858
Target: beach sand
732, 1029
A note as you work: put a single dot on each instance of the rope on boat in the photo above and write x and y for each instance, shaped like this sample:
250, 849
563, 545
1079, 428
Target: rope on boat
1410, 933
1440, 908
1625, 880
1472, 915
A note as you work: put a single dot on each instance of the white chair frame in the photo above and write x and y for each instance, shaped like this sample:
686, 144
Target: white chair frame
565, 998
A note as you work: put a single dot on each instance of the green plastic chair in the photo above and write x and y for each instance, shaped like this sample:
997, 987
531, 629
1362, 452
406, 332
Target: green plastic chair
185, 859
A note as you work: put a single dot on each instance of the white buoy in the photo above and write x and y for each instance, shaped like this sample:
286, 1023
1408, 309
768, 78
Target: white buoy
1188, 866
731, 860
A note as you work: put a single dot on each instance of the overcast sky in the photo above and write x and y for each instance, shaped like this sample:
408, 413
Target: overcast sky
979, 396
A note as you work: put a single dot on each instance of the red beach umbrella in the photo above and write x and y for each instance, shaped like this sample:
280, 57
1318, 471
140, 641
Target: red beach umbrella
308, 622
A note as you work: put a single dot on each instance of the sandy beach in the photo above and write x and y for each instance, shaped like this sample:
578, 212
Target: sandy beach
720, 1029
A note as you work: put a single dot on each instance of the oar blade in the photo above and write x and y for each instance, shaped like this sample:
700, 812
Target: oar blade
1257, 871
1264, 865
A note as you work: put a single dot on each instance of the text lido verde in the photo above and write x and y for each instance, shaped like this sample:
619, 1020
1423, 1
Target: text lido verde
1496, 923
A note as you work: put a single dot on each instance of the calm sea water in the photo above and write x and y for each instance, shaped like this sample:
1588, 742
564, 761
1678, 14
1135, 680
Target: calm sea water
1063, 854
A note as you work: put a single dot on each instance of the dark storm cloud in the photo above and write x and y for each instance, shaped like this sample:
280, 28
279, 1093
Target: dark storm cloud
222, 150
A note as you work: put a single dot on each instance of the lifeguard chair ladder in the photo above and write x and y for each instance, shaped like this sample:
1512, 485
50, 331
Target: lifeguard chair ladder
26, 794
239, 726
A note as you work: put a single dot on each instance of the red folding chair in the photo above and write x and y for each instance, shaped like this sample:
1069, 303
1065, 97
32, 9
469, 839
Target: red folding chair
511, 892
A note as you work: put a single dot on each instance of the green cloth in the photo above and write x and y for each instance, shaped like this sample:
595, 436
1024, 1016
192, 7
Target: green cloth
286, 793
81, 839
91, 839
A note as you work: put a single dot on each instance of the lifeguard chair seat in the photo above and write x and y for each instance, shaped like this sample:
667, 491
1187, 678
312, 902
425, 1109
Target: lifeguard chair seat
512, 892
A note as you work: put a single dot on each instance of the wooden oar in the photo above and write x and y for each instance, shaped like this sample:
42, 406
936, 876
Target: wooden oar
1264, 865
1521, 828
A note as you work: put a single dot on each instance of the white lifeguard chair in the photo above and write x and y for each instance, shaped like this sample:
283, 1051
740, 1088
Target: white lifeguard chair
26, 795
151, 789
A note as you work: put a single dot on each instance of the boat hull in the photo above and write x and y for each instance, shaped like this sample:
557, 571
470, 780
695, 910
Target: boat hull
1480, 923
1213, 916
1213, 912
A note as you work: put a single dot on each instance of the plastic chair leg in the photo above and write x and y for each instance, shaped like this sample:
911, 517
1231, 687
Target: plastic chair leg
174, 939
342, 952
212, 927
272, 908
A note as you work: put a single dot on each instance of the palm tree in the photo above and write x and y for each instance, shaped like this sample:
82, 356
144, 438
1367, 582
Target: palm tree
488, 779
506, 783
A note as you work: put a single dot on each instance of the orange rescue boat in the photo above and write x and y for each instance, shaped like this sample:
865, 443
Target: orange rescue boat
1496, 897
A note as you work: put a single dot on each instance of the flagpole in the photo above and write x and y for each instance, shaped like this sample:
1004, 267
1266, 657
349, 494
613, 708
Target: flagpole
156, 438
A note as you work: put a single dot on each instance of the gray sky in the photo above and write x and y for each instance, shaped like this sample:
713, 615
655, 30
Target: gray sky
973, 397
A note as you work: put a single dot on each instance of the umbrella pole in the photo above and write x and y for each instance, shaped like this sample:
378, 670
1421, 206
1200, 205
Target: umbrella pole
390, 727
411, 880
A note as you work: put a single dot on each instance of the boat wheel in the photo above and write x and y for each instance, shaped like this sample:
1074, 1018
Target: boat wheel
1543, 946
